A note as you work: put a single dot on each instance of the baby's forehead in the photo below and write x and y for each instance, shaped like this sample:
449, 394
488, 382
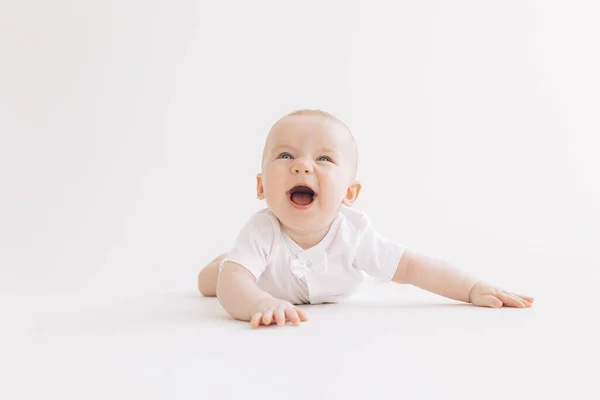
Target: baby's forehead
309, 130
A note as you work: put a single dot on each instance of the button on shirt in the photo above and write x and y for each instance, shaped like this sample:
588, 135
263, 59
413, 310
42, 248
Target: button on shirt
325, 273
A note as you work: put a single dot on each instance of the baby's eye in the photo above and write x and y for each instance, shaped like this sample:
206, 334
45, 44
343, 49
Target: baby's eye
324, 158
285, 156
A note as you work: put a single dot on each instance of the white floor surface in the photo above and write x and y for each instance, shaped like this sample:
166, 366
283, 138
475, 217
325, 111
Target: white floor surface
387, 342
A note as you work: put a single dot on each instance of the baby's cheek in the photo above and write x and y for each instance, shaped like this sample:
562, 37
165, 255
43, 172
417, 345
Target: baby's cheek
335, 189
281, 169
273, 177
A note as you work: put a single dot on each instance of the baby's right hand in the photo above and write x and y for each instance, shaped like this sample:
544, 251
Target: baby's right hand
270, 310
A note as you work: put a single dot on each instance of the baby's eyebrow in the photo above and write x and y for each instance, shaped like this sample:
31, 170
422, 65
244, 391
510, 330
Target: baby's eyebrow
282, 147
329, 150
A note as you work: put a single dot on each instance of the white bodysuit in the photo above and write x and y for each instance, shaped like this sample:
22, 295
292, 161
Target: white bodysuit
325, 273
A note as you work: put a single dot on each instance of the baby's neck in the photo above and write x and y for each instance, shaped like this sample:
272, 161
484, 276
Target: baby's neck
306, 240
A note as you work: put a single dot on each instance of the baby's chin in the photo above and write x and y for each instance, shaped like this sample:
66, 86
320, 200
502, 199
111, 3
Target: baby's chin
305, 223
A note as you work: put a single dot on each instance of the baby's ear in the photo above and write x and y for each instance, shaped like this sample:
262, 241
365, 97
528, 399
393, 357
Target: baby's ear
352, 193
260, 190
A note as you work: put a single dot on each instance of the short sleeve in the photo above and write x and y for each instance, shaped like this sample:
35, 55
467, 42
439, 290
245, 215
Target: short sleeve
253, 244
376, 255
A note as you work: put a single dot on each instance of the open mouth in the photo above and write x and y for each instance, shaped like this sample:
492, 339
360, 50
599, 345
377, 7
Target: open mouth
302, 195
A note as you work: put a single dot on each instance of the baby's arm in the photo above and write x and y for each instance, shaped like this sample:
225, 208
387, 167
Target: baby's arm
435, 276
441, 278
237, 291
241, 297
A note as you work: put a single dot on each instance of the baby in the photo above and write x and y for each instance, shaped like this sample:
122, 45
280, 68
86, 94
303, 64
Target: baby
310, 246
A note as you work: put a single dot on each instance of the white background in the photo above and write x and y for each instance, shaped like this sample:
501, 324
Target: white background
131, 133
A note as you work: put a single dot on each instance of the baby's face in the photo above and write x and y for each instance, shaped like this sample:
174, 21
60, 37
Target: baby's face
308, 171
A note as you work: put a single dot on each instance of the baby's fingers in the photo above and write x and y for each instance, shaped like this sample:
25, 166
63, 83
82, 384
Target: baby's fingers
301, 314
280, 316
292, 315
526, 298
511, 300
488, 300
255, 320
267, 317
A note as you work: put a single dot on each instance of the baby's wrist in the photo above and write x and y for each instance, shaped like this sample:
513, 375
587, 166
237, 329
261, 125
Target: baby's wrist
473, 284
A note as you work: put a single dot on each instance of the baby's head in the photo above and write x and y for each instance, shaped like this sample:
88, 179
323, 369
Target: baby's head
308, 169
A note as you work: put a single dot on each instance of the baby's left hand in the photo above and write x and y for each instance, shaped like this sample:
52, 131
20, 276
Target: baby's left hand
485, 295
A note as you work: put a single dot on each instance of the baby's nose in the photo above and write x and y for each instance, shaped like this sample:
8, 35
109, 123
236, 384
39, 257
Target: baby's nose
302, 166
